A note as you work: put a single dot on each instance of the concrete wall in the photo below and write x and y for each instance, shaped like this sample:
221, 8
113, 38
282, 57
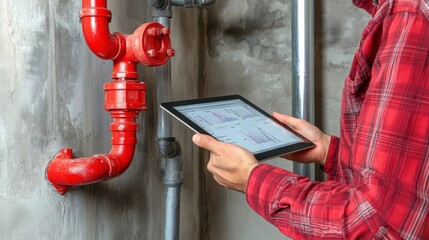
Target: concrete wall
249, 53
52, 97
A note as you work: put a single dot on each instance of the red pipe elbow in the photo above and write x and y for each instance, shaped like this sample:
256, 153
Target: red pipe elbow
65, 172
95, 18
124, 100
149, 44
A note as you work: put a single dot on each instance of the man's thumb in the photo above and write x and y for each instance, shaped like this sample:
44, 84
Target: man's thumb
196, 139
204, 141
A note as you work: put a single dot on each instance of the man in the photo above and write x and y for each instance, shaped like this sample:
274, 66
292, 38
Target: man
378, 169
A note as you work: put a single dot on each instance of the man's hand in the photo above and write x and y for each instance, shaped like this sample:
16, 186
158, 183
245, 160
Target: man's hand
230, 164
314, 155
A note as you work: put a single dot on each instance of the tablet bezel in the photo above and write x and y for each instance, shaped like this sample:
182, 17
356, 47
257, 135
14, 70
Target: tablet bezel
262, 156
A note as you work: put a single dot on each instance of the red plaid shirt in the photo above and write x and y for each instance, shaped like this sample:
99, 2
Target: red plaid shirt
378, 170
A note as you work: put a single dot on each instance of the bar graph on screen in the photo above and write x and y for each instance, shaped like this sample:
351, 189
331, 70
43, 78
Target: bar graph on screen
259, 136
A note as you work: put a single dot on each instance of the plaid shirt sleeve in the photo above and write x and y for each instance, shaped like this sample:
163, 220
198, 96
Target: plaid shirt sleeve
303, 209
378, 170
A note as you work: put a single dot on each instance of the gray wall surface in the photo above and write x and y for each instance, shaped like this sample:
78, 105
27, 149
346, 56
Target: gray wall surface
52, 97
249, 53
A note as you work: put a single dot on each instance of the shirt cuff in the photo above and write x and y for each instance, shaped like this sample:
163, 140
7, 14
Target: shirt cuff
263, 183
331, 159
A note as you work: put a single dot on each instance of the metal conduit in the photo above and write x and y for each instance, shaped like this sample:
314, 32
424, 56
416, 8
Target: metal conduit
303, 67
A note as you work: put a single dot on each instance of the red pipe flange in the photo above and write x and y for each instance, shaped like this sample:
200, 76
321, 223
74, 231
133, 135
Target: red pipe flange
151, 44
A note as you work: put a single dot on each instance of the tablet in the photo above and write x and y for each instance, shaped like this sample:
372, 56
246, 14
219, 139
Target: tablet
234, 119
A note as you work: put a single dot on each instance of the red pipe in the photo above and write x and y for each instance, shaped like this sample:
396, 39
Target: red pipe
124, 97
64, 171
95, 18
149, 44
124, 100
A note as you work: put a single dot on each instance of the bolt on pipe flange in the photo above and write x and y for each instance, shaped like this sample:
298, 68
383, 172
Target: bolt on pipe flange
151, 53
151, 44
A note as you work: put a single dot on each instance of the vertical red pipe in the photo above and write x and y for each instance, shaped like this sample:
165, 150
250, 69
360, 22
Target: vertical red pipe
124, 97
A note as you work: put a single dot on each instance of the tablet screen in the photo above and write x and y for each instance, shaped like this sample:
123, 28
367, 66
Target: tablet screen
237, 122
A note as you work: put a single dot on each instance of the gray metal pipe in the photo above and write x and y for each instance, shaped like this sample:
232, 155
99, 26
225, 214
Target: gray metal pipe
172, 205
173, 178
163, 89
170, 157
303, 66
169, 149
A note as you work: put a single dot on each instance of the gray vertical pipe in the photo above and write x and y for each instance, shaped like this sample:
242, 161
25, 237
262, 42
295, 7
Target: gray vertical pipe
172, 164
170, 155
303, 66
173, 180
169, 148
163, 89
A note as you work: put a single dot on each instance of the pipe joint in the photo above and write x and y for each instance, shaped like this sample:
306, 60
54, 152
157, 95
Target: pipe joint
161, 8
125, 95
95, 19
173, 176
158, 4
95, 12
126, 51
170, 161
150, 45
170, 153
168, 147
123, 134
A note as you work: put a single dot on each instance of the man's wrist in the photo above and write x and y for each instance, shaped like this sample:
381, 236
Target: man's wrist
326, 142
249, 172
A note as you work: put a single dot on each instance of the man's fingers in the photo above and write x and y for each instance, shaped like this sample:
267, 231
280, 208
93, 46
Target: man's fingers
286, 119
206, 142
